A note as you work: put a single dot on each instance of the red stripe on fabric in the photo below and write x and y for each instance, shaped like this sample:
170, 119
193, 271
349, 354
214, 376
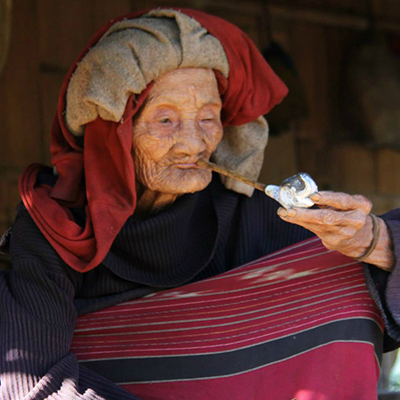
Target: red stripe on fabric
247, 296
225, 341
243, 304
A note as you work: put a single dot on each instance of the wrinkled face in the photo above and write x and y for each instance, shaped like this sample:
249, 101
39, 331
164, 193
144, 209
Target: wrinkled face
178, 124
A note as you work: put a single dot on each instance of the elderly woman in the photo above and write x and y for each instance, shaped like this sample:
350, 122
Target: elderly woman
126, 213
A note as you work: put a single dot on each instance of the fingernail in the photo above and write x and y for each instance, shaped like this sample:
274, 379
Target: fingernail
315, 197
282, 212
292, 213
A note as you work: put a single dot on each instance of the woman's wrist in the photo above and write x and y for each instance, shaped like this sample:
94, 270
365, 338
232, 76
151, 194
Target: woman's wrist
382, 256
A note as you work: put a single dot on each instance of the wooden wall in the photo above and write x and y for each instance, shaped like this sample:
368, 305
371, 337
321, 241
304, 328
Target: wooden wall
47, 35
320, 36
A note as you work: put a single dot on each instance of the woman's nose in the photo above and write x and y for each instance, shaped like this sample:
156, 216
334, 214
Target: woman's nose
190, 140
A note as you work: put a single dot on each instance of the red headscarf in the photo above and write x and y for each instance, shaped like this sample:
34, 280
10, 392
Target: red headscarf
108, 193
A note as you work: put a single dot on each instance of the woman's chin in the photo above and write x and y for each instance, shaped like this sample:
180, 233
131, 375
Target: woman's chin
189, 183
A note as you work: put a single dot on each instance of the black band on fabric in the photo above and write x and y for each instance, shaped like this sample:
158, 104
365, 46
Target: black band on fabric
187, 367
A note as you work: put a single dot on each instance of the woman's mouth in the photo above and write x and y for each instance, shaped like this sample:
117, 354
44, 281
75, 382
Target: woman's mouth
187, 166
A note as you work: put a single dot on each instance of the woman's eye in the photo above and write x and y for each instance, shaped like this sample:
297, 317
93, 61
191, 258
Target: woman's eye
165, 121
208, 119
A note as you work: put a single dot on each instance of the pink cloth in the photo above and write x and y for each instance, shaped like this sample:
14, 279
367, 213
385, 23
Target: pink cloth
299, 323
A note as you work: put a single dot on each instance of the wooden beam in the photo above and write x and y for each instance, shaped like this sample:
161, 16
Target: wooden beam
338, 20
5, 29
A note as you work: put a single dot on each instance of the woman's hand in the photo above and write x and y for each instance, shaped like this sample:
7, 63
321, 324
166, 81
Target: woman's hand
343, 223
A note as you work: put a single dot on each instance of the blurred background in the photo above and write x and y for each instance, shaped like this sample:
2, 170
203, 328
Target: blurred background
339, 58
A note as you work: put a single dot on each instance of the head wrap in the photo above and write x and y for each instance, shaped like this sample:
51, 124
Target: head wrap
100, 175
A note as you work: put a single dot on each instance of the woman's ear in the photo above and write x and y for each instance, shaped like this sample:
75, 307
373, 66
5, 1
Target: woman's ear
242, 150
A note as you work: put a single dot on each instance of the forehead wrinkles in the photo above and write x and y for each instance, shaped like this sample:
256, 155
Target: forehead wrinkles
193, 96
195, 86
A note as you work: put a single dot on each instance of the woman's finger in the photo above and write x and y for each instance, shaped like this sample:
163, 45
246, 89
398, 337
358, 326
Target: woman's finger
342, 201
344, 232
343, 237
324, 217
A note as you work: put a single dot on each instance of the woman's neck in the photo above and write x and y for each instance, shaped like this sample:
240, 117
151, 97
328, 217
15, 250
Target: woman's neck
150, 202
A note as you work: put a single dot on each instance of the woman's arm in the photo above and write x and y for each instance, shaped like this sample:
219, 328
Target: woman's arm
343, 222
37, 319
391, 296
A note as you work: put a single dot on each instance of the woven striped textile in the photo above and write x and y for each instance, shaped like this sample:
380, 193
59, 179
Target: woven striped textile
296, 324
